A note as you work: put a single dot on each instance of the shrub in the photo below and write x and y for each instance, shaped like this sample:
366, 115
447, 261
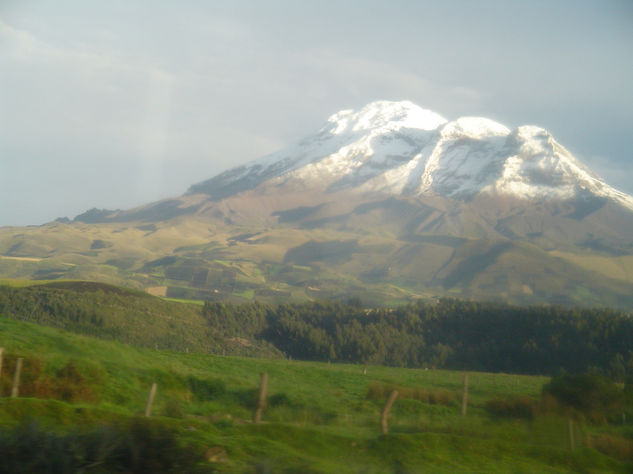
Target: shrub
611, 445
68, 383
282, 399
31, 371
206, 389
590, 395
173, 409
514, 407
247, 397
139, 446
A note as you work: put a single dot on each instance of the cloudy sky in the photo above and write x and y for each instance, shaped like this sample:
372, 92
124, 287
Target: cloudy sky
115, 104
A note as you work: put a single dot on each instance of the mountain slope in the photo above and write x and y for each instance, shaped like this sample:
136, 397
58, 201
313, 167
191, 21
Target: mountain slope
389, 203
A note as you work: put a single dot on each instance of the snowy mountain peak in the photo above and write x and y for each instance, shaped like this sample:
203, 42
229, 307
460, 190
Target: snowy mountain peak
532, 131
474, 127
384, 115
400, 148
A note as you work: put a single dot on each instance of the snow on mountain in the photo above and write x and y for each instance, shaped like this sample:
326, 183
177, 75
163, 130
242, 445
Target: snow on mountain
383, 116
400, 148
535, 165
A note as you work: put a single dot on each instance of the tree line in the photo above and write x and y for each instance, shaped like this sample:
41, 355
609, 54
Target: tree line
448, 333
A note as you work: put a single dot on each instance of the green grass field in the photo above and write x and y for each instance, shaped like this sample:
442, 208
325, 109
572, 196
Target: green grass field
320, 417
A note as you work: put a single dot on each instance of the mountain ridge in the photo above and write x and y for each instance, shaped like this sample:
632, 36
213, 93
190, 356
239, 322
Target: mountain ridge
400, 148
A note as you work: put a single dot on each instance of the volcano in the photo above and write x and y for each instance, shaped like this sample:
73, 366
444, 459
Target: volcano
389, 202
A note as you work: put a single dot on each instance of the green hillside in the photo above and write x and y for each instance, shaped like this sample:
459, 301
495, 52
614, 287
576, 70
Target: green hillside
442, 334
320, 417
128, 316
264, 248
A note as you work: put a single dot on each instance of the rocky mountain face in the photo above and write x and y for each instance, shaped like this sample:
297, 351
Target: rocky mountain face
387, 203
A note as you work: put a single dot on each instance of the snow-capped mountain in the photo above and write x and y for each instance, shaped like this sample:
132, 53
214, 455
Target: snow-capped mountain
391, 202
399, 148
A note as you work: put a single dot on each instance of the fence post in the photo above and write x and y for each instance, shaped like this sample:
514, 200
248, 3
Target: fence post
570, 425
385, 411
150, 400
1, 351
261, 399
465, 395
16, 378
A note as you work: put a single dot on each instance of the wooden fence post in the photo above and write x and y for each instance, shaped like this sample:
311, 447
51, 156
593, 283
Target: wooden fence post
16, 378
385, 411
465, 395
1, 351
570, 425
150, 400
261, 399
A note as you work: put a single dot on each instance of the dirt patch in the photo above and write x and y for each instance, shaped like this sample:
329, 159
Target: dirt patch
21, 259
157, 290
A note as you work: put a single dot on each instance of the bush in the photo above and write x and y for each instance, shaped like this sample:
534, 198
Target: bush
514, 407
206, 389
247, 397
173, 409
282, 399
69, 383
612, 445
592, 396
139, 446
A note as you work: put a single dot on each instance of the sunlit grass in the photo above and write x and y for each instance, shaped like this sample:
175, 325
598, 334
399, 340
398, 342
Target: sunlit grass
320, 417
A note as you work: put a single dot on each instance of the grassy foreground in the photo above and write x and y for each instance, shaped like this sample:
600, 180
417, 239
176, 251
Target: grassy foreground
320, 417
